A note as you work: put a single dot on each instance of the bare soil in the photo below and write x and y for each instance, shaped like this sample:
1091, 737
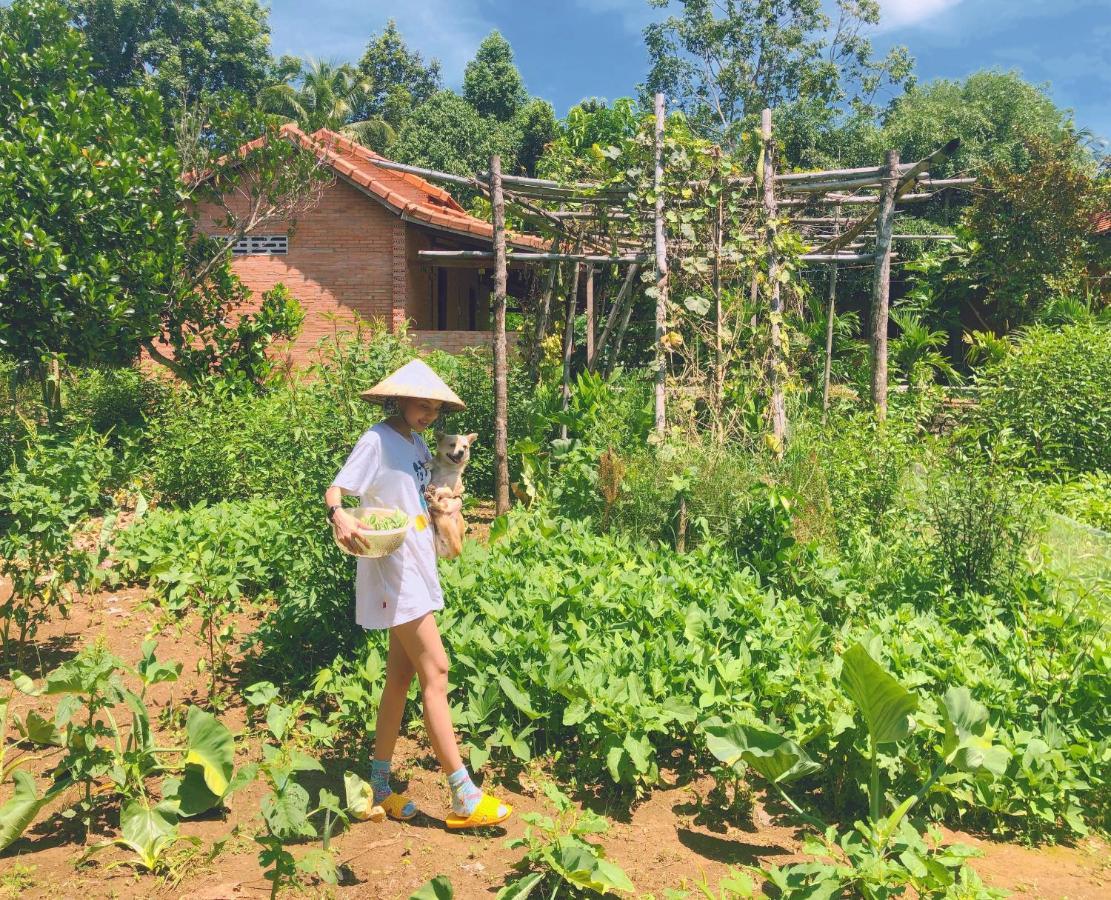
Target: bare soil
675, 838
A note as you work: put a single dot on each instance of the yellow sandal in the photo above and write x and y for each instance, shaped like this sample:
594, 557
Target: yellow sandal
488, 812
394, 804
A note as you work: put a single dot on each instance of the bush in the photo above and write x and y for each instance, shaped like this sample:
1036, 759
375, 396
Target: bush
49, 488
1086, 499
1052, 391
111, 400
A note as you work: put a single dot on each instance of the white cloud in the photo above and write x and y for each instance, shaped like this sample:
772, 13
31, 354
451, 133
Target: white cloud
901, 13
634, 14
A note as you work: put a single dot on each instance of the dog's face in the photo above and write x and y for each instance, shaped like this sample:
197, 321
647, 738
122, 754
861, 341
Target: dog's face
455, 448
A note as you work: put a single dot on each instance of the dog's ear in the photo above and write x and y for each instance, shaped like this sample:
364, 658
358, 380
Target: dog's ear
472, 438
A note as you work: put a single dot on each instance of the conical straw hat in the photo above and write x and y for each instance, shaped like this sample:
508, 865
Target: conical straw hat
415, 380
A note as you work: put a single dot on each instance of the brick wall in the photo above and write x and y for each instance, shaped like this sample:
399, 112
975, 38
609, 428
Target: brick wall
454, 341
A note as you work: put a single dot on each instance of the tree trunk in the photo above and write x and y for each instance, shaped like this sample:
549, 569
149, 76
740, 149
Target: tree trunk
778, 410
881, 284
719, 356
661, 275
501, 365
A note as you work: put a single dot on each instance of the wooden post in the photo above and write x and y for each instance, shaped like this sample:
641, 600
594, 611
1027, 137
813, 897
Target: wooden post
719, 360
829, 338
614, 312
661, 274
569, 344
590, 316
501, 366
778, 408
881, 284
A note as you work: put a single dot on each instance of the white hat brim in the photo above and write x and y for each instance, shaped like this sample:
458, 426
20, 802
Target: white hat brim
415, 380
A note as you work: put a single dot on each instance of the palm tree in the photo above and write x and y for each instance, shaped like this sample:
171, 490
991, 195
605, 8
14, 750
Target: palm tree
915, 352
319, 94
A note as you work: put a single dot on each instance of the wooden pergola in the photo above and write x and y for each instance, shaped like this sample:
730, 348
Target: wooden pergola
845, 216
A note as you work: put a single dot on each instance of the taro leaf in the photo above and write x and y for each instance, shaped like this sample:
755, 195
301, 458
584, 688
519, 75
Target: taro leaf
38, 730
287, 813
771, 755
439, 888
521, 888
20, 810
517, 697
211, 746
578, 863
191, 793
359, 796
885, 704
321, 863
148, 831
967, 737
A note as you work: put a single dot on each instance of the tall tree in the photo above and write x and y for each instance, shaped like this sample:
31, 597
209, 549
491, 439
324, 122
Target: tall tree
447, 133
491, 82
398, 78
100, 255
319, 94
723, 61
186, 49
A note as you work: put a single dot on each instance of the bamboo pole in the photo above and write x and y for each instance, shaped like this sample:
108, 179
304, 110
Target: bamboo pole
544, 313
829, 339
526, 257
881, 285
590, 316
661, 274
778, 408
615, 311
501, 366
569, 344
719, 356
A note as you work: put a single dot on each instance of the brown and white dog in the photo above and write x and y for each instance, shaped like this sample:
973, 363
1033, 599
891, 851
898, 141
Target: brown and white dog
445, 492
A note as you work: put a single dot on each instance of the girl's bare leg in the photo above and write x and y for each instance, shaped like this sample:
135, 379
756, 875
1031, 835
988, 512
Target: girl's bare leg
421, 641
399, 675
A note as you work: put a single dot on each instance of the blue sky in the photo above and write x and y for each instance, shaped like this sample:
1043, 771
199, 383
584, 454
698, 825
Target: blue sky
579, 48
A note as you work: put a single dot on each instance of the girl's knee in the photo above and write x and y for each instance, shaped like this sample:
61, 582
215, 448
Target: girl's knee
434, 676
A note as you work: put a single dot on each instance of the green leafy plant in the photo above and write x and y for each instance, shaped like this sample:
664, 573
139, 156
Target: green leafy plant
560, 861
885, 852
106, 759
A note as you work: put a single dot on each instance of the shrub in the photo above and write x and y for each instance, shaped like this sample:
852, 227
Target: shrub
1086, 499
46, 492
112, 399
1052, 391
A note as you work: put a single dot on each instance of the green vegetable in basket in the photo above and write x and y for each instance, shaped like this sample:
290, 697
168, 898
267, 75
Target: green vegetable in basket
378, 522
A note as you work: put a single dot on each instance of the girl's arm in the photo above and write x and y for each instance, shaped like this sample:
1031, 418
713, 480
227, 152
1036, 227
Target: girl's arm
343, 523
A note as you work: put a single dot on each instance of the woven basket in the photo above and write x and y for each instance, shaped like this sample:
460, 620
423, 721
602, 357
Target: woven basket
376, 544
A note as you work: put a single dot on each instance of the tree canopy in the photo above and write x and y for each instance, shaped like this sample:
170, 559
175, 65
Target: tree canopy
398, 78
491, 82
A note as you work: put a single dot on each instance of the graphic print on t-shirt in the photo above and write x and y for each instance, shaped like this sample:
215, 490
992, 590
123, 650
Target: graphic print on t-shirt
423, 474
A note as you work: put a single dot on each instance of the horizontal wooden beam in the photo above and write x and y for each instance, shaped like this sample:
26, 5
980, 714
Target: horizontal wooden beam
527, 257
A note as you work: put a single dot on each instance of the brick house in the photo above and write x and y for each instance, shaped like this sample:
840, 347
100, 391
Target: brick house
356, 251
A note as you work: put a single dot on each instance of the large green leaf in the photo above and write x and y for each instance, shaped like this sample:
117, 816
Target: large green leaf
287, 813
778, 759
521, 887
439, 888
148, 830
38, 730
884, 703
517, 697
20, 810
968, 744
212, 747
360, 798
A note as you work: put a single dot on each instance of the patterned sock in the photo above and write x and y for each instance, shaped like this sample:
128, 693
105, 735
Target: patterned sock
380, 782
464, 794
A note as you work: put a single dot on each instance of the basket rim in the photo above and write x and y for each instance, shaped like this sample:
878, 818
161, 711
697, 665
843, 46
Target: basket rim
388, 510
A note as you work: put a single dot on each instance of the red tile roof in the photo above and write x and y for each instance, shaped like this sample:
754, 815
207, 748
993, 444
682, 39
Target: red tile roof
1101, 224
410, 196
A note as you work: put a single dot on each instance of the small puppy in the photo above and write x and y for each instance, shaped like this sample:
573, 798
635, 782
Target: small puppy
445, 492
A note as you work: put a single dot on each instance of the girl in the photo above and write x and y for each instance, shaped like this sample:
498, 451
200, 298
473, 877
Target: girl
389, 467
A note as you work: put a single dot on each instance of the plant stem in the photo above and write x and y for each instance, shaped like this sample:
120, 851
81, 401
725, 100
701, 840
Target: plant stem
874, 787
812, 820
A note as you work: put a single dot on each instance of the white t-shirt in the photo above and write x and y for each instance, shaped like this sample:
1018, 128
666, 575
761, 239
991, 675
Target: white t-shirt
387, 470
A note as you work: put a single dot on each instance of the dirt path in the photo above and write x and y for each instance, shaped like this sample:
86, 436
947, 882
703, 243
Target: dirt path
667, 841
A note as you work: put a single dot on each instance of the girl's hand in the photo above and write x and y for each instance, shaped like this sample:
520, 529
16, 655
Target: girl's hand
346, 528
